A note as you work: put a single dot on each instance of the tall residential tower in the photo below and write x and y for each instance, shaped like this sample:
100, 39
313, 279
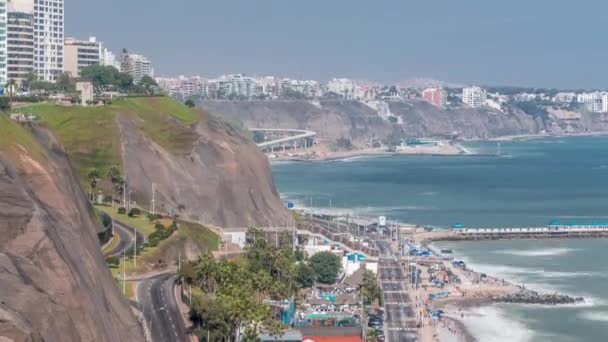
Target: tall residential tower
3, 43
48, 36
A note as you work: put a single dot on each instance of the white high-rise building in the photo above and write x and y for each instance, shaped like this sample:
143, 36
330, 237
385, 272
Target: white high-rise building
20, 45
594, 102
48, 36
474, 96
108, 58
3, 43
342, 86
137, 66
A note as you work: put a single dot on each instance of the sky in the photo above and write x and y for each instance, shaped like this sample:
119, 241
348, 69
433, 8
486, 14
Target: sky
538, 43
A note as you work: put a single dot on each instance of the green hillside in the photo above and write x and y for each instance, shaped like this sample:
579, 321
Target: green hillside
13, 136
91, 135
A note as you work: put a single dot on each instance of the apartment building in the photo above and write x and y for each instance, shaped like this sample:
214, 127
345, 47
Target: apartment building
79, 54
596, 102
3, 43
20, 45
137, 66
48, 38
436, 96
474, 96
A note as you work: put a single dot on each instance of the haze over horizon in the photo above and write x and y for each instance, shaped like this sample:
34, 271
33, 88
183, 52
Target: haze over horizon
515, 43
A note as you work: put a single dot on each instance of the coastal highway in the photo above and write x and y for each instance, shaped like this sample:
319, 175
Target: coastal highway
127, 240
158, 305
400, 320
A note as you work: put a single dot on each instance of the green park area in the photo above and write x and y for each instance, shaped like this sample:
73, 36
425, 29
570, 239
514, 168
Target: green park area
163, 241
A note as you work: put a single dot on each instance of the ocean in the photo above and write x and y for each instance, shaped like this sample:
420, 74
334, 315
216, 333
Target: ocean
529, 184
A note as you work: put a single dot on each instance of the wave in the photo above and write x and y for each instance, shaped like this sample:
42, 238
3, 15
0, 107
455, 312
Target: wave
538, 252
491, 324
598, 316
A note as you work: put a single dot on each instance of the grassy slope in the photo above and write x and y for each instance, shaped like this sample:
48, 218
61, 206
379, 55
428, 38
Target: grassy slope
91, 135
203, 237
156, 114
13, 135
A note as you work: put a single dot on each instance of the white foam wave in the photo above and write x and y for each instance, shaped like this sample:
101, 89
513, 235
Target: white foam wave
538, 252
492, 324
599, 316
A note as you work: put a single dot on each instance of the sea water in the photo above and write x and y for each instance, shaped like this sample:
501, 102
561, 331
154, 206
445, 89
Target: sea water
529, 184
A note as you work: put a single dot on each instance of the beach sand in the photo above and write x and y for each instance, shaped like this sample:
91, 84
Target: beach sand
322, 153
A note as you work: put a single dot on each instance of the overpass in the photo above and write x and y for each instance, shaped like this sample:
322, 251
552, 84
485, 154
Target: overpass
284, 138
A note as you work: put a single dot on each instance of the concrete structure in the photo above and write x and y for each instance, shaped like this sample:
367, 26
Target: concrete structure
564, 97
137, 66
79, 54
86, 92
436, 96
594, 102
285, 139
473, 96
108, 58
342, 86
48, 36
3, 43
20, 45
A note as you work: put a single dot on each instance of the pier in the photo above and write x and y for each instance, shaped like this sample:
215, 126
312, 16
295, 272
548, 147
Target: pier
553, 230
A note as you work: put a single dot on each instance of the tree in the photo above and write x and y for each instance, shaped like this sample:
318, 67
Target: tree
115, 178
370, 290
31, 77
43, 87
93, 176
66, 83
327, 266
190, 104
11, 85
148, 84
306, 275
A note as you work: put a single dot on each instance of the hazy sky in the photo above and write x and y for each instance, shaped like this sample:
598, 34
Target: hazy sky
550, 43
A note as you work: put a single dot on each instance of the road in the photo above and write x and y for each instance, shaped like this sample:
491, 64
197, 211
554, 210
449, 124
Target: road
127, 240
400, 319
298, 134
157, 302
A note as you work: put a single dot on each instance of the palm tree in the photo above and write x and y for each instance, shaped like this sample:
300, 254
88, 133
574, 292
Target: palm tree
93, 177
10, 85
114, 176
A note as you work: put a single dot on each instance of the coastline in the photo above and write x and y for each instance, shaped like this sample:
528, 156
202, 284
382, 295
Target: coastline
543, 136
445, 150
454, 149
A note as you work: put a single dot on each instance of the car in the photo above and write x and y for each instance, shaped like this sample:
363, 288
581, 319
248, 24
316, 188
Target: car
375, 325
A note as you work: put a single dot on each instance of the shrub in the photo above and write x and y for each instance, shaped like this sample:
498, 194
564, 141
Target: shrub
134, 212
112, 261
152, 218
159, 227
122, 210
106, 220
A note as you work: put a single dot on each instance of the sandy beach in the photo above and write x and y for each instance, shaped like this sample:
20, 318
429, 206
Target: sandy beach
323, 153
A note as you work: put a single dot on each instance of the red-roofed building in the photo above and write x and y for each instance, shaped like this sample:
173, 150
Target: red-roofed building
332, 339
435, 96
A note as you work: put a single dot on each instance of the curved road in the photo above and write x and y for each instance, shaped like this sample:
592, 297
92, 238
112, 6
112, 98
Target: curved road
299, 134
127, 240
156, 300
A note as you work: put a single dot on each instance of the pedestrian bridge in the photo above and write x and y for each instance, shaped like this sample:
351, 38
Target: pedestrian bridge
284, 138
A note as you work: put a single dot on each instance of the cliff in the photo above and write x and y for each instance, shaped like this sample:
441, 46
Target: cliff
54, 280
203, 168
334, 119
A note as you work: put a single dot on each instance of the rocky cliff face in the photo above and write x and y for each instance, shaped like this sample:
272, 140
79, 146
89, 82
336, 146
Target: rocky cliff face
421, 119
219, 177
331, 119
54, 282
357, 121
